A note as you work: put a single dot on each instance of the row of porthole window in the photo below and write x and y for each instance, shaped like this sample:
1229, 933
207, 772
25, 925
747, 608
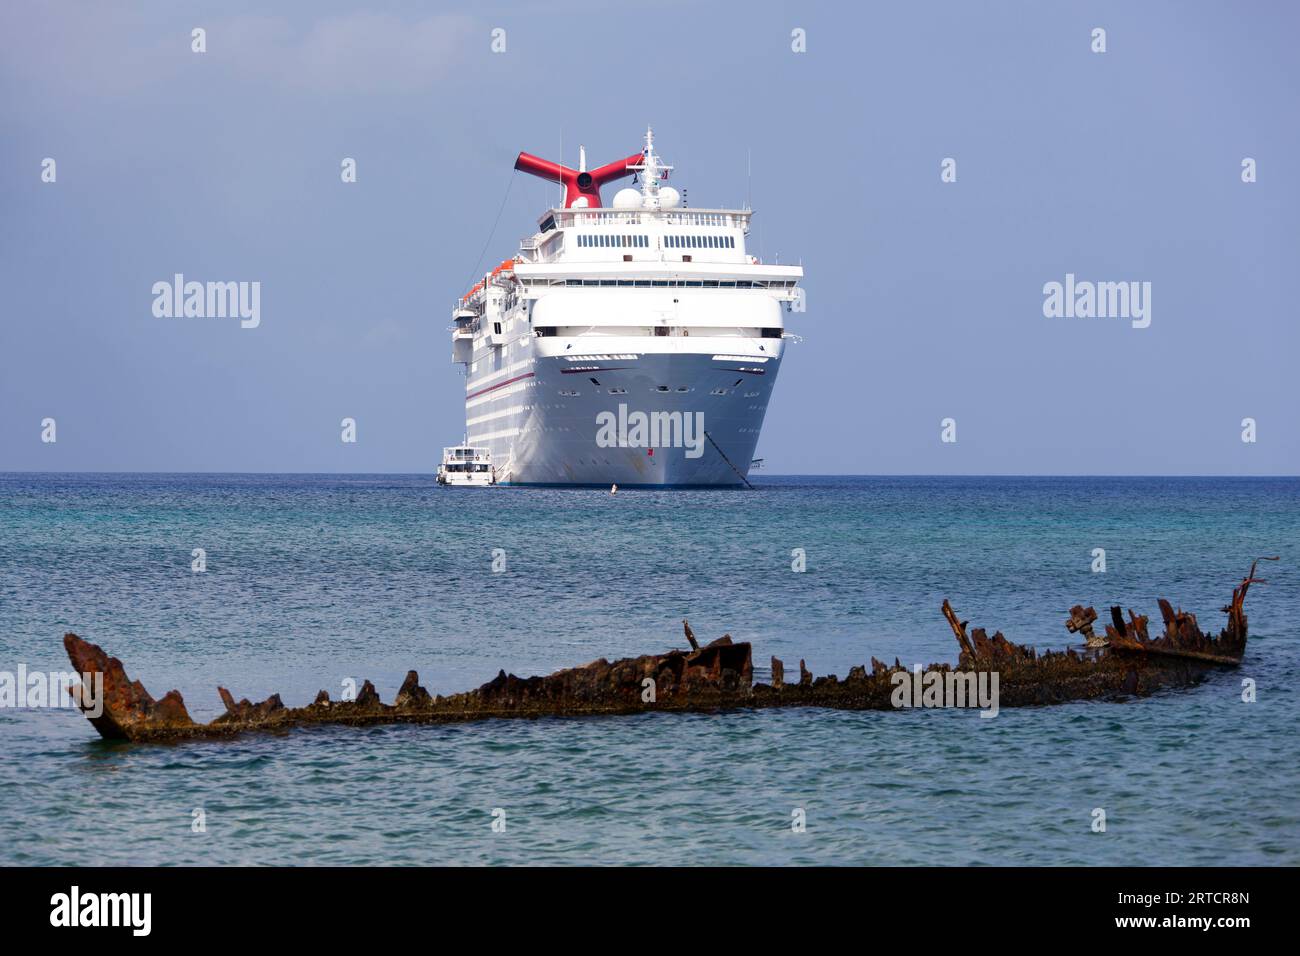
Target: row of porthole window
699, 242
613, 242
570, 393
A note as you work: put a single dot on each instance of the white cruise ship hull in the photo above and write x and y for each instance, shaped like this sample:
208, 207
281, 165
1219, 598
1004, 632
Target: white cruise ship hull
543, 419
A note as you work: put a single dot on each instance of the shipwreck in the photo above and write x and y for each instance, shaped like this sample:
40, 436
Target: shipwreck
1123, 661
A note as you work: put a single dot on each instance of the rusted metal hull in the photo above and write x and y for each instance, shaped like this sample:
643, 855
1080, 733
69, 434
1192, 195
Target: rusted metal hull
717, 676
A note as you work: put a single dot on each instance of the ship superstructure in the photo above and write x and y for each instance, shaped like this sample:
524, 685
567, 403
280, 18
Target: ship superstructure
636, 344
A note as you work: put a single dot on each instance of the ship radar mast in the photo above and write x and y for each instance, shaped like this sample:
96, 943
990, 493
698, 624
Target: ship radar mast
654, 195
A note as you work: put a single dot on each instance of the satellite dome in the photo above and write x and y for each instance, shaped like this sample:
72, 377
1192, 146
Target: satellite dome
579, 203
669, 198
627, 199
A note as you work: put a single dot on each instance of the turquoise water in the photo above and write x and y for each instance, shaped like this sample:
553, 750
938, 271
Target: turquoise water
314, 579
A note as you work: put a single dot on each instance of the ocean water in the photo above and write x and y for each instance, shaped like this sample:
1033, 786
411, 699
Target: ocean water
315, 579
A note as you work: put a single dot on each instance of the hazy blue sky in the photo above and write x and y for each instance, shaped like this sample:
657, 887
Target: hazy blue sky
925, 298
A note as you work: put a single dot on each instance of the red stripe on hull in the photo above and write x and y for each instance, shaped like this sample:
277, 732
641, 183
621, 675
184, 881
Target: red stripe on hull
493, 388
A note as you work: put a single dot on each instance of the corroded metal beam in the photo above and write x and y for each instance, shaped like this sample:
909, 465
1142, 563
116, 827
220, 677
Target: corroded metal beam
717, 676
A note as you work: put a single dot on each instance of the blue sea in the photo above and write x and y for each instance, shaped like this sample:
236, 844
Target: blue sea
314, 579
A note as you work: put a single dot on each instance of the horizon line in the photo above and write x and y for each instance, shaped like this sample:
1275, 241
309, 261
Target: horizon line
431, 474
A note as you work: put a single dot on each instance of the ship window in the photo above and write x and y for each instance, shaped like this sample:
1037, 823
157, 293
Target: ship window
770, 333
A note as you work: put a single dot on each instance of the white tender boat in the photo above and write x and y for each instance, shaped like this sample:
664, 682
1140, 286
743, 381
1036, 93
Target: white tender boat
466, 465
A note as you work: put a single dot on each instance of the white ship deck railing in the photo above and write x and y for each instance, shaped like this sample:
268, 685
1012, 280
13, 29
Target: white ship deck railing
665, 283
568, 218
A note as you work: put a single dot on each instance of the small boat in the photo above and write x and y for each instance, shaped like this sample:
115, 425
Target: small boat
466, 465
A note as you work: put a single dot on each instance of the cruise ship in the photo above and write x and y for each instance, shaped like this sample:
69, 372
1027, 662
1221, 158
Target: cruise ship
632, 345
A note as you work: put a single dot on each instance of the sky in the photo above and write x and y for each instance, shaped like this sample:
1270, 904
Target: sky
925, 298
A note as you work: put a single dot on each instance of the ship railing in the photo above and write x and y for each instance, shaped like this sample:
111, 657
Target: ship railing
729, 218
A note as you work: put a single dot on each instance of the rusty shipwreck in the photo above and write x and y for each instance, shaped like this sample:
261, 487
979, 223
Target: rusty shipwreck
1124, 662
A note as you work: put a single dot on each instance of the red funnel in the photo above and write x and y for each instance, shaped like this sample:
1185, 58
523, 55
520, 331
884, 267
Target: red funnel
575, 183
